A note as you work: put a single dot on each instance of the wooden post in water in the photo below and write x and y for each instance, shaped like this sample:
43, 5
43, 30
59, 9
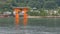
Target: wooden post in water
25, 16
16, 16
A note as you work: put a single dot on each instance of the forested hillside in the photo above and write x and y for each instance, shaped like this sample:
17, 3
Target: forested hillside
48, 4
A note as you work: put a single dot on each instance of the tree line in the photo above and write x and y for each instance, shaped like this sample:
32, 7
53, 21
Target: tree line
7, 5
47, 4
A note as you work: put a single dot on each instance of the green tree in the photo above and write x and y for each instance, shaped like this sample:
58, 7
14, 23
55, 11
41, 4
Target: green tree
43, 13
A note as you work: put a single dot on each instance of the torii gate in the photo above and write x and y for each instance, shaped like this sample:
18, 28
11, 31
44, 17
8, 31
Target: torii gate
17, 10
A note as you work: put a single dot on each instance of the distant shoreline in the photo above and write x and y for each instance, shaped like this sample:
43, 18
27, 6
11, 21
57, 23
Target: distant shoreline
36, 16
43, 16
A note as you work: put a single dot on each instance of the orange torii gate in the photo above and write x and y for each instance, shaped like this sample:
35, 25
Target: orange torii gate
17, 10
